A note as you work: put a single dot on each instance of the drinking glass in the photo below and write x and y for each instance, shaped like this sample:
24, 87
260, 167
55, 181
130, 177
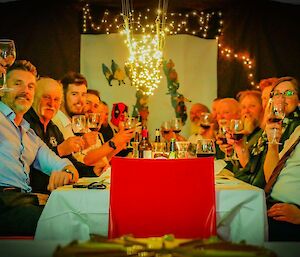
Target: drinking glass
176, 125
205, 148
159, 150
79, 126
236, 128
182, 149
130, 123
7, 58
205, 120
224, 128
94, 121
166, 127
277, 114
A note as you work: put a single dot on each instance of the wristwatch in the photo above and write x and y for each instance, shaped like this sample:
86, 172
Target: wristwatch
70, 172
112, 144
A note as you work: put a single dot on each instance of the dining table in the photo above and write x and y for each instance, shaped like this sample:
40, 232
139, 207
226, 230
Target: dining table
76, 213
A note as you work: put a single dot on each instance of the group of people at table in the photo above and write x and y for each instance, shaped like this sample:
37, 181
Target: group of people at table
39, 151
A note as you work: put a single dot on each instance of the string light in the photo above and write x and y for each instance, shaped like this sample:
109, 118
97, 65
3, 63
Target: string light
146, 50
243, 58
201, 24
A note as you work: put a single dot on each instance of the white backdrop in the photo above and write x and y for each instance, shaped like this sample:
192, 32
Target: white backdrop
195, 62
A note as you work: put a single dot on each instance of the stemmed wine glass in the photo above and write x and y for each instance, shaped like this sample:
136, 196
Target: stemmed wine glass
94, 121
236, 128
7, 58
166, 127
277, 114
224, 128
205, 120
176, 125
130, 123
79, 126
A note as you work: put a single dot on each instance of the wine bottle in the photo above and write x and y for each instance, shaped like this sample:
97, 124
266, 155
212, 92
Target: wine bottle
172, 153
145, 147
157, 136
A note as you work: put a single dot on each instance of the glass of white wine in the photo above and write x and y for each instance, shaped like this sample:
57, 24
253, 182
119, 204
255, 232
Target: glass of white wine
79, 126
7, 58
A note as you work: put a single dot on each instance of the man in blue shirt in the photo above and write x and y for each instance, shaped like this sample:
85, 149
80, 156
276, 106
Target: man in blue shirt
20, 147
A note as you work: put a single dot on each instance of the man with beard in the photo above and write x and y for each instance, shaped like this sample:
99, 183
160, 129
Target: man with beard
20, 148
74, 100
47, 100
74, 89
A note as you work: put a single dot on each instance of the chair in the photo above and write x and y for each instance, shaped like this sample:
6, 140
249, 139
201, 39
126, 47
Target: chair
155, 197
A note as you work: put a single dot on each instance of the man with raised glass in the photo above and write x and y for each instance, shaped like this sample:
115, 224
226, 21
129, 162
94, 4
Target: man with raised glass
20, 148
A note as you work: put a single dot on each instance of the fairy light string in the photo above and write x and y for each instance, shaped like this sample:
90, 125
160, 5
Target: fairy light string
204, 24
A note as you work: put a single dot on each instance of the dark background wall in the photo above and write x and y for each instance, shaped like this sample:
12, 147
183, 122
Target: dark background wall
48, 34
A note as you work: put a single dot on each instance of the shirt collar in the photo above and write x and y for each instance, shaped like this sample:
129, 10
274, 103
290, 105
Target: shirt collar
10, 114
65, 121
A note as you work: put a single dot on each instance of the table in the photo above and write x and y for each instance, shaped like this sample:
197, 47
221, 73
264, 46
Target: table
39, 248
74, 214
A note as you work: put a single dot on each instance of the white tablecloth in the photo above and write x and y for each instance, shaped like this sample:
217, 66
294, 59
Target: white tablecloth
74, 214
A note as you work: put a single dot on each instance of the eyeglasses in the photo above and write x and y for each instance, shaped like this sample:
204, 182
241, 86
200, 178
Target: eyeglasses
287, 93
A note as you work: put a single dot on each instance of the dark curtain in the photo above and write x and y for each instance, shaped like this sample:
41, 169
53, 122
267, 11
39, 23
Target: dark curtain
268, 31
48, 34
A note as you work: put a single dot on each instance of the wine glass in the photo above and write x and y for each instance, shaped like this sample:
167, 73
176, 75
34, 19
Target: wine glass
224, 128
182, 149
176, 125
130, 123
277, 114
94, 121
205, 148
79, 126
236, 128
205, 120
166, 127
7, 58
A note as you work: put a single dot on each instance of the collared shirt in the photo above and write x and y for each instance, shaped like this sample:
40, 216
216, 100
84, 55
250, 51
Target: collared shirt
20, 147
63, 122
287, 187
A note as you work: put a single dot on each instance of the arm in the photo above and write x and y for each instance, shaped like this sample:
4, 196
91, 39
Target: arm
119, 140
272, 156
67, 175
70, 145
285, 212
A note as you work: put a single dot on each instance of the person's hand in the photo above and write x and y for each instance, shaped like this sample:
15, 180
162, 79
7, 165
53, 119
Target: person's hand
270, 129
70, 145
249, 125
285, 212
61, 178
90, 138
101, 166
123, 137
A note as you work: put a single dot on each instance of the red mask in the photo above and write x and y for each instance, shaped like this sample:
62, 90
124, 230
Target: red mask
118, 113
